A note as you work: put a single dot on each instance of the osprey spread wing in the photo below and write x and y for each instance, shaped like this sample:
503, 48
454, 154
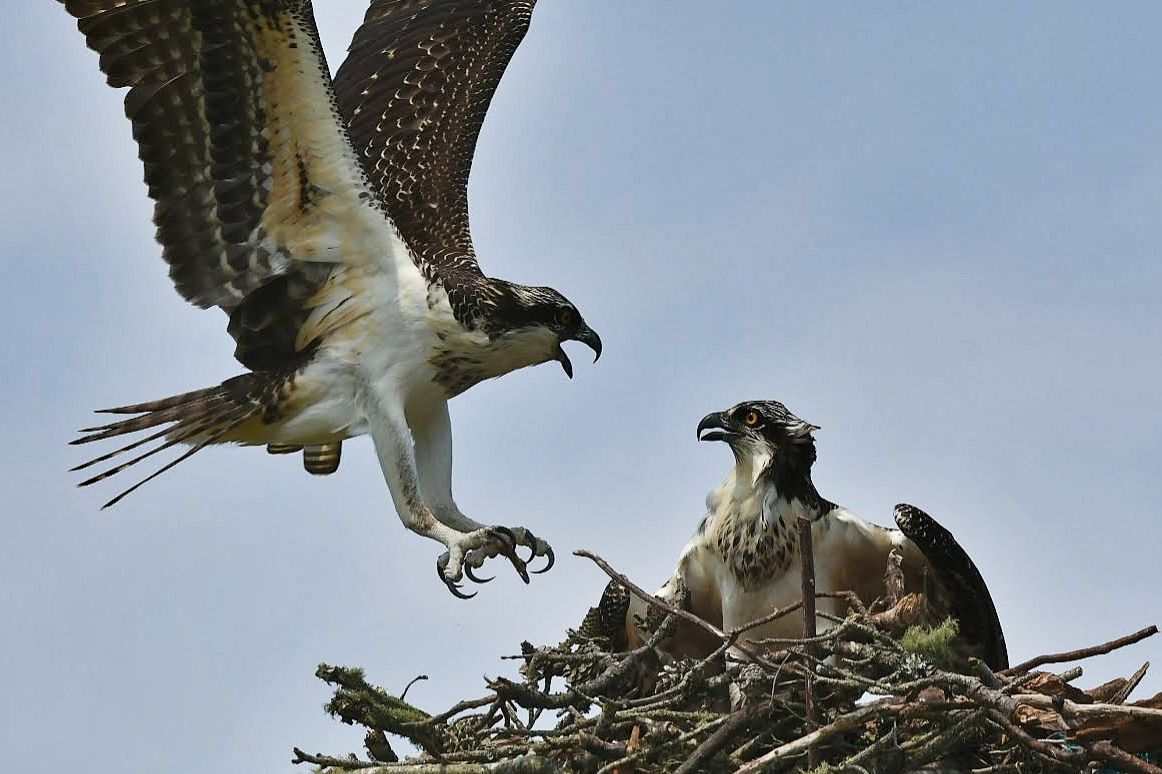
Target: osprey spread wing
330, 222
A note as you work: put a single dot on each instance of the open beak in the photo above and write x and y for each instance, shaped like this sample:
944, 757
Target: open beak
563, 359
716, 427
586, 336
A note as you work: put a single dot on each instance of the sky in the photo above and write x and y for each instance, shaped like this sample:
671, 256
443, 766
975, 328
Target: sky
932, 229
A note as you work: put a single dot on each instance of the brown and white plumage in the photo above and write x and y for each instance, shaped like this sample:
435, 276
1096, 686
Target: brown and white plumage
415, 90
333, 233
744, 560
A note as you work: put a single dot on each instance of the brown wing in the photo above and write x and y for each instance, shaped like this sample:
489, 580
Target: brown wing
258, 193
608, 619
414, 90
969, 599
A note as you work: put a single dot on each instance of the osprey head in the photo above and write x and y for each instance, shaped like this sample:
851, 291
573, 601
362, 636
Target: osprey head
761, 429
533, 322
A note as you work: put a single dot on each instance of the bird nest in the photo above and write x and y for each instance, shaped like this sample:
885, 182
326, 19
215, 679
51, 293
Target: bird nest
876, 692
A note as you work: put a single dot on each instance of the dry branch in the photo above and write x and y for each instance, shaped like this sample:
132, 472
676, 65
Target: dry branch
1081, 653
643, 712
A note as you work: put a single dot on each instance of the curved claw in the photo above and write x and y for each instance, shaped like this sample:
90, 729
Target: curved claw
455, 589
452, 585
474, 579
552, 559
519, 565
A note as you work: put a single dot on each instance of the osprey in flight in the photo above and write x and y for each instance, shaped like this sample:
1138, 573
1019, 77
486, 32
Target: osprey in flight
744, 562
329, 221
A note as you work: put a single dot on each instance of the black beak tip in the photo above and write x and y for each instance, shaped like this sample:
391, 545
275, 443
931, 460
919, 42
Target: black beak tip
591, 338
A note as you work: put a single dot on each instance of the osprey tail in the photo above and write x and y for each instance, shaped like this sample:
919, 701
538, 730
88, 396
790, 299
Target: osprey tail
197, 418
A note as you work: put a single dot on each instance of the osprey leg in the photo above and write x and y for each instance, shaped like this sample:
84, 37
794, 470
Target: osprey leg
431, 431
397, 459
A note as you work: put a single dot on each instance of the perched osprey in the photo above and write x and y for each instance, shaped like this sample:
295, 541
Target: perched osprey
329, 221
744, 562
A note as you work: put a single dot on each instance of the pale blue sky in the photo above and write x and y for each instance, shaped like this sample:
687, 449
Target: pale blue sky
932, 229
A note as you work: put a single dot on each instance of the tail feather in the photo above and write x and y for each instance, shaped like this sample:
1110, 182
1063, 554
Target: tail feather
174, 401
146, 421
198, 418
191, 452
180, 433
116, 452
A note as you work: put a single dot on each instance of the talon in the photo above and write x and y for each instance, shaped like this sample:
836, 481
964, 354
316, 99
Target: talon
453, 586
519, 564
455, 589
472, 577
506, 536
550, 557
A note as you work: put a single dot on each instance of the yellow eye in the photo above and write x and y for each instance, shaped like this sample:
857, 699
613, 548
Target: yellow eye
565, 316
751, 418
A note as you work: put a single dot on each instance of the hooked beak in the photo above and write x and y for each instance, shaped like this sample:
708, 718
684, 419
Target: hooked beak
589, 338
718, 425
586, 336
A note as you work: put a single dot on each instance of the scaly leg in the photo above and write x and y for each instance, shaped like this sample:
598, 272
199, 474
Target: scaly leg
393, 445
432, 432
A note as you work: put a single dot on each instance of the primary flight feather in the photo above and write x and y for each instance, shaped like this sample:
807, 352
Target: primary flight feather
329, 220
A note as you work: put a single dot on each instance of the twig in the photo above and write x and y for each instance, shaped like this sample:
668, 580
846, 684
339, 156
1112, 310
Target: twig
1124, 692
407, 687
944, 741
849, 596
884, 747
637, 755
1044, 749
602, 748
807, 563
720, 738
330, 761
801, 745
665, 606
532, 698
1071, 709
459, 707
1075, 655
1122, 759
635, 737
527, 764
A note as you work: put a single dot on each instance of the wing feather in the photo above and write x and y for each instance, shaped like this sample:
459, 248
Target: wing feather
256, 187
970, 601
415, 89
